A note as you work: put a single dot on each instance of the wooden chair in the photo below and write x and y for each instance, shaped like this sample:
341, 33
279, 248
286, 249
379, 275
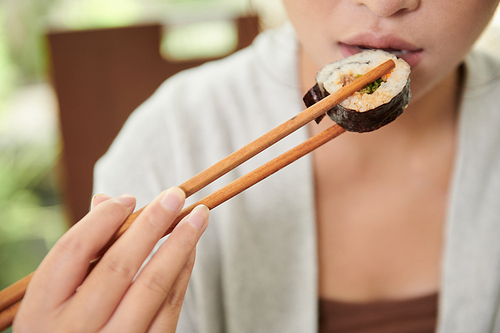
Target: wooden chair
100, 76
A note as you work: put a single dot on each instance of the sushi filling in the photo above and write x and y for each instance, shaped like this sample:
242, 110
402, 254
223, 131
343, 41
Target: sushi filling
369, 88
372, 87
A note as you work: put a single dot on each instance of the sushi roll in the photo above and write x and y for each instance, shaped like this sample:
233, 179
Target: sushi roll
374, 106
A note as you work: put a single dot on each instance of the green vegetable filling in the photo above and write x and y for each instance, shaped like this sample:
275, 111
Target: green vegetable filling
370, 88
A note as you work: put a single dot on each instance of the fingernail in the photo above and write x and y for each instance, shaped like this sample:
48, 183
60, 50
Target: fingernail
173, 199
198, 217
98, 196
126, 199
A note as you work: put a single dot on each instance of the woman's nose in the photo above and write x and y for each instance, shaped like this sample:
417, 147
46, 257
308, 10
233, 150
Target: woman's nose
386, 8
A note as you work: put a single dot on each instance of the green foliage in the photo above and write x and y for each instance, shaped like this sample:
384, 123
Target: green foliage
200, 40
8, 71
31, 217
29, 201
100, 14
24, 27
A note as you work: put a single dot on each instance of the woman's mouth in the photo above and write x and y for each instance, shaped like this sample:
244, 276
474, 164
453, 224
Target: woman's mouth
397, 52
401, 49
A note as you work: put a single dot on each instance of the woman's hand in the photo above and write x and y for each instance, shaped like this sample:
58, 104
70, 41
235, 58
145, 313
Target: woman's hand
110, 299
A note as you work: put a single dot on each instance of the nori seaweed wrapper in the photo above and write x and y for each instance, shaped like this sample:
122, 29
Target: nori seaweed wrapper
314, 95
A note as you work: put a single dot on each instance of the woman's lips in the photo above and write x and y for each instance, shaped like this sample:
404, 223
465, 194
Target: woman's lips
400, 48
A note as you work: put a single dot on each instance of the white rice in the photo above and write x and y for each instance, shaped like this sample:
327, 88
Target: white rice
330, 78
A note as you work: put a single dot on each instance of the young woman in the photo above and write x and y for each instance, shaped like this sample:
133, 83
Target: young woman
405, 217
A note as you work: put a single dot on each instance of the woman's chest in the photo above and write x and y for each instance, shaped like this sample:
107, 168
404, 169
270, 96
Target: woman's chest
379, 229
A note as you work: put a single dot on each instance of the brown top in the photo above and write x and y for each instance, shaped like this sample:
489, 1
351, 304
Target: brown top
418, 315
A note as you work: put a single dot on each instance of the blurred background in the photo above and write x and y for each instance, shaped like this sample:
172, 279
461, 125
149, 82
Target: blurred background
36, 206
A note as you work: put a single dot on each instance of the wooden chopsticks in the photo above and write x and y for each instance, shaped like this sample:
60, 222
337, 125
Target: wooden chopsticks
11, 296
